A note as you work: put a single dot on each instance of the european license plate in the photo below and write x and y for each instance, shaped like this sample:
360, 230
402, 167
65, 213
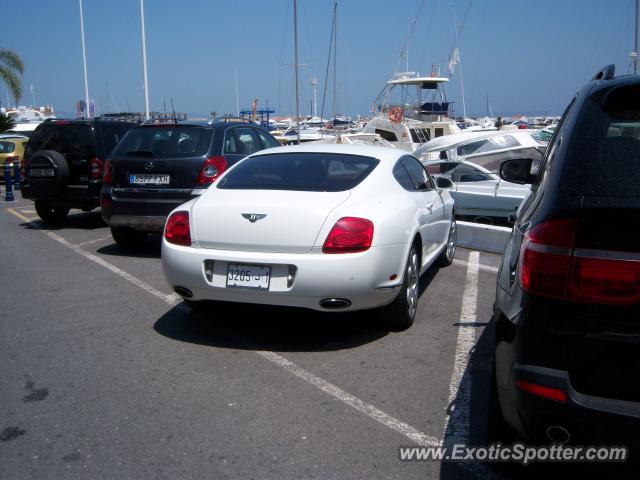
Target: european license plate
248, 276
41, 172
149, 179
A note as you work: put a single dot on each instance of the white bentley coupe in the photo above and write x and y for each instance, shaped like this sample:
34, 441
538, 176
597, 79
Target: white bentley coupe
326, 227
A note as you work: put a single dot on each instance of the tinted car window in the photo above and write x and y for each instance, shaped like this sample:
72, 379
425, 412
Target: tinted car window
417, 173
241, 141
267, 140
7, 147
308, 172
492, 161
467, 173
66, 138
603, 156
176, 141
111, 136
402, 176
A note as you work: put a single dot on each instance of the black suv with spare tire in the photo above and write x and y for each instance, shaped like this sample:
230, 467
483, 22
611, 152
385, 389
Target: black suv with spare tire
64, 162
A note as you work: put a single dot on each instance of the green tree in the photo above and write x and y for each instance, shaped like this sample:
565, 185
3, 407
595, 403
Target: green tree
6, 123
11, 68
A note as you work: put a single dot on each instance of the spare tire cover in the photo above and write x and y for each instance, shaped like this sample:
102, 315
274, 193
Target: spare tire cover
39, 167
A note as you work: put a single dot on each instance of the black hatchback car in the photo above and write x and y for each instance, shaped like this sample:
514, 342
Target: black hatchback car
567, 309
156, 167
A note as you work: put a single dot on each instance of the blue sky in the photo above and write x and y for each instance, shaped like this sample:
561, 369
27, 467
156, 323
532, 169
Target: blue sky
528, 56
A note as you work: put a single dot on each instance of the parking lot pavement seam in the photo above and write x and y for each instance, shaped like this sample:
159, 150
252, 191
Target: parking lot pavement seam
354, 402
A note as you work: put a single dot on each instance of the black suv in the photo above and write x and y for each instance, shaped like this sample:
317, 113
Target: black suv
567, 310
157, 167
64, 162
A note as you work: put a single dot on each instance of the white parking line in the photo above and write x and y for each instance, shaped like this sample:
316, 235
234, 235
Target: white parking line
354, 402
460, 392
96, 240
484, 268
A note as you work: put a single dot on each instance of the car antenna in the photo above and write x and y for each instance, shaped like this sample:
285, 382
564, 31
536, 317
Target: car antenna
174, 111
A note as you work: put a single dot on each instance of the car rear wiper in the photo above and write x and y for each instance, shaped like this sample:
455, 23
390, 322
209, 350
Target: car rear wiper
141, 153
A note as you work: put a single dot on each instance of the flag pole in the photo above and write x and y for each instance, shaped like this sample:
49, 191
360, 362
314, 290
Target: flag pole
144, 63
87, 111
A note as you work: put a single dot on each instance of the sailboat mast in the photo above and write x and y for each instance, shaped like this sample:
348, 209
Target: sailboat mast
335, 55
295, 66
455, 27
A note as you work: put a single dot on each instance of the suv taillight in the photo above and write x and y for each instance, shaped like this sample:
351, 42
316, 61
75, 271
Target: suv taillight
552, 265
23, 169
107, 175
96, 169
177, 230
211, 169
349, 235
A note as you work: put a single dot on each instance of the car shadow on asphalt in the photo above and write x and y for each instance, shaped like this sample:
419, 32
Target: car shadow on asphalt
76, 221
150, 248
242, 326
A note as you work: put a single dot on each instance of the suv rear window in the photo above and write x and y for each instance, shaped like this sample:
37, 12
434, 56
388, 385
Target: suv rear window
604, 151
68, 138
175, 141
306, 172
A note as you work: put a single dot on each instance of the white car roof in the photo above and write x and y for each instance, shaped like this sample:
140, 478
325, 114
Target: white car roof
381, 153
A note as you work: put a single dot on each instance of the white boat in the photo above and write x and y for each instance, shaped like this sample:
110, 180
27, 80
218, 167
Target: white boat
307, 134
411, 110
369, 139
27, 119
467, 144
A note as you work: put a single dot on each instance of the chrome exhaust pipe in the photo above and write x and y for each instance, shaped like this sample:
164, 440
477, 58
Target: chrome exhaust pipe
558, 434
183, 292
334, 303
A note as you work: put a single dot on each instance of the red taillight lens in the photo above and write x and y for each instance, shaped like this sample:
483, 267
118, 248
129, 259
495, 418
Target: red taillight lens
177, 230
211, 169
107, 175
97, 169
542, 391
349, 235
552, 265
23, 168
545, 258
600, 280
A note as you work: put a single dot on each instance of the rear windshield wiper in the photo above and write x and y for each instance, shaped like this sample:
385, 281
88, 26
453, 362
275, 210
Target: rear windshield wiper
141, 153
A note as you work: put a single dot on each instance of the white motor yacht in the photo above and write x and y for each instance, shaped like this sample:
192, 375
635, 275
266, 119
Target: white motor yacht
411, 110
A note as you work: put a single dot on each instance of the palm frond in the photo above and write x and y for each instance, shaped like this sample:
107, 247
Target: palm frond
12, 81
11, 59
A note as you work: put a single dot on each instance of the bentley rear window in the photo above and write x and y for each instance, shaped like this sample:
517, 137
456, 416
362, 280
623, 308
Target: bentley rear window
307, 172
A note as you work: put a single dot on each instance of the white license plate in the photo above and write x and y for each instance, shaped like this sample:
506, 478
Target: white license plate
149, 179
41, 172
248, 276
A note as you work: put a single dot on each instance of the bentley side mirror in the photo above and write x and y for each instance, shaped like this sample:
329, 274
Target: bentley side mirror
518, 170
443, 182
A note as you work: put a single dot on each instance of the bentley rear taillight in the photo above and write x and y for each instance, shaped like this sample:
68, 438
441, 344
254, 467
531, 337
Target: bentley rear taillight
349, 235
177, 230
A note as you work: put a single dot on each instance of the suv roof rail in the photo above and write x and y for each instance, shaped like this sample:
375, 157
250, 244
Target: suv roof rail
605, 73
227, 119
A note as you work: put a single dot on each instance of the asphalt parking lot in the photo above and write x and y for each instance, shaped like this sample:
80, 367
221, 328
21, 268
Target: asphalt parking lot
106, 373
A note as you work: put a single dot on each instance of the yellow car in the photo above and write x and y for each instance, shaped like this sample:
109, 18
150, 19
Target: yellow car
11, 146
